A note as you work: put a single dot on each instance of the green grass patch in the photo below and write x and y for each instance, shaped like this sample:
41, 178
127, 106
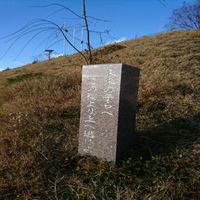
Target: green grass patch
2, 110
23, 77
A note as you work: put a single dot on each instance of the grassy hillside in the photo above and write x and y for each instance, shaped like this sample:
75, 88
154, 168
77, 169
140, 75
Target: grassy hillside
39, 120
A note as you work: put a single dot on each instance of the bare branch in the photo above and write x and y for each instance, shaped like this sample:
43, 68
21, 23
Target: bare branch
34, 36
29, 29
39, 26
62, 6
187, 17
68, 9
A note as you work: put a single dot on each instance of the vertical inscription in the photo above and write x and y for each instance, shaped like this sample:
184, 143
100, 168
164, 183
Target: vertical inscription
90, 120
99, 110
108, 93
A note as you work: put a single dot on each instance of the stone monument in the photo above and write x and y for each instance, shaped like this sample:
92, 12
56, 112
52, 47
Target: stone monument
108, 109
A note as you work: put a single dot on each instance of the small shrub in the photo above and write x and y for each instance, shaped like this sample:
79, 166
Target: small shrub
35, 61
7, 69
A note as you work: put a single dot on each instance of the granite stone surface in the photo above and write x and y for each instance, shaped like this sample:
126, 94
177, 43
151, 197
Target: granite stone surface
108, 108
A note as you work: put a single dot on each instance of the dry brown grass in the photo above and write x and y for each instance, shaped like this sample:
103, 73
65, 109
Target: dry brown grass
39, 119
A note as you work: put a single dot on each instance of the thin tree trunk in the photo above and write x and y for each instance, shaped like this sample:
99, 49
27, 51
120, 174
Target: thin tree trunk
88, 32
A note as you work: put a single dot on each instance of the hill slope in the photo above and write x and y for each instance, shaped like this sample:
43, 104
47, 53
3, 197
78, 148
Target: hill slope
39, 119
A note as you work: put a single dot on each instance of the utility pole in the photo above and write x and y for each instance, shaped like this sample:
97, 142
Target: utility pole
64, 47
74, 34
49, 53
65, 42
82, 33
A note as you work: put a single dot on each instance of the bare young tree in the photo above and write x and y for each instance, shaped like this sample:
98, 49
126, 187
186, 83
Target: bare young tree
87, 31
186, 17
43, 26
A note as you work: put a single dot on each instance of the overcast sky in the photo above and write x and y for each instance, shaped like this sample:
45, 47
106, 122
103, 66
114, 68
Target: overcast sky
127, 19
